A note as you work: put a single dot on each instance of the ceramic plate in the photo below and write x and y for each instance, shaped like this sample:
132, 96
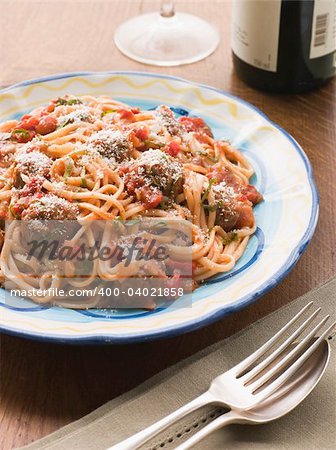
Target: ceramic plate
286, 219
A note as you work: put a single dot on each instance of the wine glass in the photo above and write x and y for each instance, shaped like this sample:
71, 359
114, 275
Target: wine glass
166, 38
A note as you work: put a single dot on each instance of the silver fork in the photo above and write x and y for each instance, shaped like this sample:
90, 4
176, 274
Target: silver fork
248, 383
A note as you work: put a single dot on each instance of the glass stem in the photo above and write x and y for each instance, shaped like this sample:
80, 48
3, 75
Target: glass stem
167, 8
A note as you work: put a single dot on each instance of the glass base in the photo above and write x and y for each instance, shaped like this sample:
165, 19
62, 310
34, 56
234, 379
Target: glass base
166, 41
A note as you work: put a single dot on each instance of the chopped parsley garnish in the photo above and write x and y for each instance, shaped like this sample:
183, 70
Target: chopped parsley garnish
74, 101
108, 111
67, 122
164, 203
84, 183
210, 208
152, 144
232, 236
206, 155
71, 101
21, 132
212, 181
213, 159
68, 169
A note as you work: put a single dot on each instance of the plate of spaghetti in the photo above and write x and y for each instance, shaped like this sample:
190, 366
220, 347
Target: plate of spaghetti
129, 148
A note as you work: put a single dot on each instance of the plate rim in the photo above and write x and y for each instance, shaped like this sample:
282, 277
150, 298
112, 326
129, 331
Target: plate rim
211, 317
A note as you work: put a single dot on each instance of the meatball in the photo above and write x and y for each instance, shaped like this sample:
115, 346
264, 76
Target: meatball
32, 164
233, 210
233, 200
154, 175
51, 207
22, 198
45, 216
162, 171
111, 144
168, 120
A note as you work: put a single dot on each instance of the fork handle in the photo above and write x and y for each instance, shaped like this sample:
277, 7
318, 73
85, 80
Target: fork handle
221, 421
140, 438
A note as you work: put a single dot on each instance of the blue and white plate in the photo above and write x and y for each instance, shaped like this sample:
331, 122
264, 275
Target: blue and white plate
286, 219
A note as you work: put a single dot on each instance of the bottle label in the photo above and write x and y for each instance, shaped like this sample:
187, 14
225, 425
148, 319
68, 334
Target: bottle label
255, 32
323, 40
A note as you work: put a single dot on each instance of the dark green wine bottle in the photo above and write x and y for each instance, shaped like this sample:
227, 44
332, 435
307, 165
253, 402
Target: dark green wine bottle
284, 45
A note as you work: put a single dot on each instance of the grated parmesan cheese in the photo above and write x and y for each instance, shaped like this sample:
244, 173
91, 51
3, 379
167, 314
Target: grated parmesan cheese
77, 116
51, 207
111, 144
33, 163
162, 165
225, 191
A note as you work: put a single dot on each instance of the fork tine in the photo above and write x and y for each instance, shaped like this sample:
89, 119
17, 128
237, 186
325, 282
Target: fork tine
260, 352
256, 370
282, 363
294, 367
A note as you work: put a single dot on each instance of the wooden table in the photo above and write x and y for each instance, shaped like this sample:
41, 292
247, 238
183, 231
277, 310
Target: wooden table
45, 386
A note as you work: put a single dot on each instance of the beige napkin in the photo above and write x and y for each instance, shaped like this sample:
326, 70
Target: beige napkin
310, 426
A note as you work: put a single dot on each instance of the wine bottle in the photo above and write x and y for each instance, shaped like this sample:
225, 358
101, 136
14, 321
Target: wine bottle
284, 45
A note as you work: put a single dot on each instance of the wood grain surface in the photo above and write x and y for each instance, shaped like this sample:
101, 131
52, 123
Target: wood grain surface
45, 386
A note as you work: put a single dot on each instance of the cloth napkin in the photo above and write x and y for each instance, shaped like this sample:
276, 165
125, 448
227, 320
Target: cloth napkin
309, 426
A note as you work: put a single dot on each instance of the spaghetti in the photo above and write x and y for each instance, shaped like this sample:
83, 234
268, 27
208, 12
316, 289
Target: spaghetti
85, 158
